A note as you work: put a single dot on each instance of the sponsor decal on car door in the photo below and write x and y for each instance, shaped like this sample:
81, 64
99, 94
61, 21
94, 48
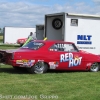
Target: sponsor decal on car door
70, 59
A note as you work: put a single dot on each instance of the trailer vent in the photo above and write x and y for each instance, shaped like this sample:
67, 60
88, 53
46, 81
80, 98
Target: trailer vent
74, 22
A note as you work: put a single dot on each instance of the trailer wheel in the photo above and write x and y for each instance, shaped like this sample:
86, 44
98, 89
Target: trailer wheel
38, 68
94, 67
57, 23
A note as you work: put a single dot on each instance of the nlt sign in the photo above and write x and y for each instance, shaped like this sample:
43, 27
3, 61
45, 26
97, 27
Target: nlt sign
84, 39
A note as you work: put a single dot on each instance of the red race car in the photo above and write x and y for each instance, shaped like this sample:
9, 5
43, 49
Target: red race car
39, 56
21, 41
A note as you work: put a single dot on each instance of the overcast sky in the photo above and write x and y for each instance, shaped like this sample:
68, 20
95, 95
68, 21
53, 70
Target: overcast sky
28, 13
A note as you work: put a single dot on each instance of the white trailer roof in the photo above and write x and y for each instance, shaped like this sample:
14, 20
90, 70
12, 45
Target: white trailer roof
83, 15
74, 14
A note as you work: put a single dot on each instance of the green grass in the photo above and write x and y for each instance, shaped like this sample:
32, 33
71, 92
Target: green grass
1, 38
61, 85
9, 46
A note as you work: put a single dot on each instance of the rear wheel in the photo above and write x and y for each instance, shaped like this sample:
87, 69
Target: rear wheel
94, 67
38, 68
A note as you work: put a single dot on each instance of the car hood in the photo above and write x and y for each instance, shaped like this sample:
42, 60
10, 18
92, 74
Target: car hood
85, 52
90, 56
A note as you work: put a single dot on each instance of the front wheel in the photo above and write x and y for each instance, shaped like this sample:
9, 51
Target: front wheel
38, 68
94, 67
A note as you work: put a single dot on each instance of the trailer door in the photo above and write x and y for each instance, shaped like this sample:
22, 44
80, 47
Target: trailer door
54, 27
40, 32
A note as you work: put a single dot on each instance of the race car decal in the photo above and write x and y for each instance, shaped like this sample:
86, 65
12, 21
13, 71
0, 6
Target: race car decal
19, 62
53, 65
27, 63
74, 60
53, 49
88, 64
40, 60
37, 43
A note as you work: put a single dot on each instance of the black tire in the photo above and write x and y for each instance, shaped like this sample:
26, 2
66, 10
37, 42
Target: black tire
95, 67
38, 68
57, 23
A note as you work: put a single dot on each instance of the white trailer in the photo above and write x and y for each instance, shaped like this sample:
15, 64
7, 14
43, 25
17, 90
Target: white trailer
40, 32
82, 29
11, 34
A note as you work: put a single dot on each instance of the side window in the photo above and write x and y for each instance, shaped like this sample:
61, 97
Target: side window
63, 47
69, 47
53, 48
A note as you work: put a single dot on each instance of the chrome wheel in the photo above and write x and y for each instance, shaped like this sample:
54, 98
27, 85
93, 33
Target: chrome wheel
39, 68
94, 67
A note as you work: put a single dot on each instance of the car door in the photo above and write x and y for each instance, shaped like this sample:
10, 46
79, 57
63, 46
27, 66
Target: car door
69, 57
56, 51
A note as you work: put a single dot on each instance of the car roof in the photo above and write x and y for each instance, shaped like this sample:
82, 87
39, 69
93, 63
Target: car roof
53, 41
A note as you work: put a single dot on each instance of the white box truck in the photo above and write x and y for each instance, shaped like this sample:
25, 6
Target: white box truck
82, 29
12, 34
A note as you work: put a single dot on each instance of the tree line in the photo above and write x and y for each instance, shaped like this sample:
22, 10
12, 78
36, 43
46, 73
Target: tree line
1, 31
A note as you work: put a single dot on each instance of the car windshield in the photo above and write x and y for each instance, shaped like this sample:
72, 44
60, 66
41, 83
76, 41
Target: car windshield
33, 45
